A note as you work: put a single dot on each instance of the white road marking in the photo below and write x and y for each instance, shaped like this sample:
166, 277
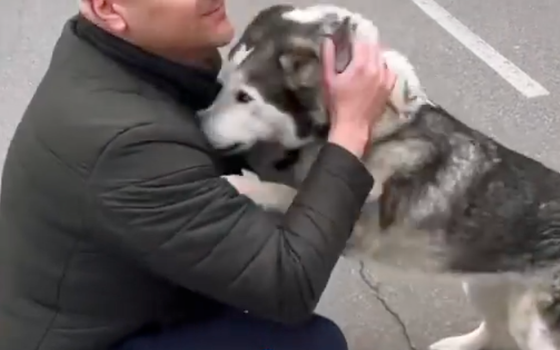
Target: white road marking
504, 67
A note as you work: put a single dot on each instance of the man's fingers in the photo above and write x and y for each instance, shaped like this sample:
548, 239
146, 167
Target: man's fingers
376, 60
360, 56
328, 57
387, 78
390, 79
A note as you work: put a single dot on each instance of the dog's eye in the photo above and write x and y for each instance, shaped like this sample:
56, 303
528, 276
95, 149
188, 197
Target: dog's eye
243, 97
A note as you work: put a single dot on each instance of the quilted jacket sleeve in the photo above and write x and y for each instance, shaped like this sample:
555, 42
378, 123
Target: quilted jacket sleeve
163, 204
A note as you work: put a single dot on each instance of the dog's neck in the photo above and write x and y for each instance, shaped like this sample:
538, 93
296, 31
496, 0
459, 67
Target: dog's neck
426, 167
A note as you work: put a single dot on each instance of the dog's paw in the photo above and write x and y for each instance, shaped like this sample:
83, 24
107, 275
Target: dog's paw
548, 307
270, 196
456, 343
475, 340
547, 300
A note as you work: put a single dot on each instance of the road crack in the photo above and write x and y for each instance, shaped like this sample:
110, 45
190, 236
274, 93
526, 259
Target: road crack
375, 287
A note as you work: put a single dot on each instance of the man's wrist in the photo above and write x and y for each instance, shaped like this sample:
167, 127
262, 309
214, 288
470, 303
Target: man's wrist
351, 137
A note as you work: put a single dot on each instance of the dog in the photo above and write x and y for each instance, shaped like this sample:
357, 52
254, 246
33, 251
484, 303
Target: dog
446, 199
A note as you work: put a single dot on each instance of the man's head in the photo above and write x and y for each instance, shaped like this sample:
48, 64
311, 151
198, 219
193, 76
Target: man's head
178, 29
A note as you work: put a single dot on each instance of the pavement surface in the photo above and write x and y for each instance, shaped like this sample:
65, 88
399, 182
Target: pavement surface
403, 310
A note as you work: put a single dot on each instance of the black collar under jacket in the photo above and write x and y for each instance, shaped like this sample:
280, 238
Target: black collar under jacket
193, 86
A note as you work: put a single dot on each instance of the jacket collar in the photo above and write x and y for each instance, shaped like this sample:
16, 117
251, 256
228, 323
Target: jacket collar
192, 86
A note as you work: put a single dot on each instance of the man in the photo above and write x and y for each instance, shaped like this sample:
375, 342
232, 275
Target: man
116, 227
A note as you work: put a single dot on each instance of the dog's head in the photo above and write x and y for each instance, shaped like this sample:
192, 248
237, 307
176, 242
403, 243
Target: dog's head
274, 90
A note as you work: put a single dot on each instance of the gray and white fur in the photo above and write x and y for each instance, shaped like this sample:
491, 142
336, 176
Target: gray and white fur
447, 198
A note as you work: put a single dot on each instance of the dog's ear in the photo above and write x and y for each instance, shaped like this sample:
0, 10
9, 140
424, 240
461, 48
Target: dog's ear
342, 38
301, 64
264, 22
302, 61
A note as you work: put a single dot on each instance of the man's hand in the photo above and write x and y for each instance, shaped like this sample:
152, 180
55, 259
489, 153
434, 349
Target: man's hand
358, 96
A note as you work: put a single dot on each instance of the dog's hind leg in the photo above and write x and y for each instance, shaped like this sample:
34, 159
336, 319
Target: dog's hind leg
489, 296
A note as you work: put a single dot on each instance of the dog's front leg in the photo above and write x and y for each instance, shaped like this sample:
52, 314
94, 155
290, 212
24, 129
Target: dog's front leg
535, 317
269, 195
529, 322
489, 296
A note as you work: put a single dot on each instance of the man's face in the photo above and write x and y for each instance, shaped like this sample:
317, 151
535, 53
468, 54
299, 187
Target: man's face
174, 27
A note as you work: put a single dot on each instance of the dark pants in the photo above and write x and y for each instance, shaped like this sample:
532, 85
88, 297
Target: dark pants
238, 331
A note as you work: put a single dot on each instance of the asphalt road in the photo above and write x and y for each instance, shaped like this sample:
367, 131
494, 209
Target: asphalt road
429, 307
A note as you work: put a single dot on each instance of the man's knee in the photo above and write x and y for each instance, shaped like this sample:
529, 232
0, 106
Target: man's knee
327, 335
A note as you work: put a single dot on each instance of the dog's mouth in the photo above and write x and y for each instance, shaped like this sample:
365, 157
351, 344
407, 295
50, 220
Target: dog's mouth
290, 158
322, 131
232, 149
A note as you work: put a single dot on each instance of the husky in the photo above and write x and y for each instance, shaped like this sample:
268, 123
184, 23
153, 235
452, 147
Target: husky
446, 199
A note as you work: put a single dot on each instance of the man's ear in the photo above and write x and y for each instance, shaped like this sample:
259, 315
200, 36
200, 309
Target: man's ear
108, 13
301, 65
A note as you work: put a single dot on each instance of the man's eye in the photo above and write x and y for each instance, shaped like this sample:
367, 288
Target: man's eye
243, 97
